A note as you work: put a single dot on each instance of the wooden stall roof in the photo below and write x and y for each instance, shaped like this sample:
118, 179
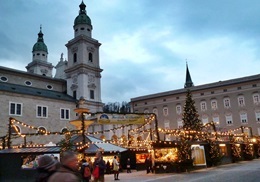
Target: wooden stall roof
31, 150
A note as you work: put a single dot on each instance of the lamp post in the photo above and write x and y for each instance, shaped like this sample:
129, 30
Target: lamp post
81, 123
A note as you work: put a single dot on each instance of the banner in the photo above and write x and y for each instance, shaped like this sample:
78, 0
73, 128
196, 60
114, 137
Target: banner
120, 118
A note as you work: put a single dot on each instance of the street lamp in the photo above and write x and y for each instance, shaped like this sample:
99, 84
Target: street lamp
81, 123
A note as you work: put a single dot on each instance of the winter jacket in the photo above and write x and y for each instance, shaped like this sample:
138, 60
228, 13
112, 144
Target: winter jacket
65, 174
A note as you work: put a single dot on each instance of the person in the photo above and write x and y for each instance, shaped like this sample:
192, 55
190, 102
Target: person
46, 167
99, 164
108, 168
128, 166
85, 171
148, 164
68, 172
116, 167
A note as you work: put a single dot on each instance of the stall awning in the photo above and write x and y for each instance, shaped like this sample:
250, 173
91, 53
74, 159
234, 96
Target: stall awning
31, 150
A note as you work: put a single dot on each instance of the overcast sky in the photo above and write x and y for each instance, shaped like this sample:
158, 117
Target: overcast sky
145, 43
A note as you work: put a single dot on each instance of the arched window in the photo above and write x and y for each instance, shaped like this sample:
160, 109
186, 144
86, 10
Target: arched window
42, 130
75, 57
64, 130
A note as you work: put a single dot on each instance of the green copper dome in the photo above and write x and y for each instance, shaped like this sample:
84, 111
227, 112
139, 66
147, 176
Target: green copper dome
82, 18
40, 45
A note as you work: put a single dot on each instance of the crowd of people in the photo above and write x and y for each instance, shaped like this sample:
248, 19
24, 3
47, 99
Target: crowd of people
50, 169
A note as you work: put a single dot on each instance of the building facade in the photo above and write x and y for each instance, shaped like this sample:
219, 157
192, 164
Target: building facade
42, 102
229, 104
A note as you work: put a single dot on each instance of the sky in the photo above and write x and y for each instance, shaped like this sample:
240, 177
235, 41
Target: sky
145, 43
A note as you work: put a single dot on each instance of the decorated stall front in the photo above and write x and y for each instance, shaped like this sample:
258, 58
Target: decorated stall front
21, 163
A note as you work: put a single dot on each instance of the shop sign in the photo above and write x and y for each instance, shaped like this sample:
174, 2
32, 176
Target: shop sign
121, 118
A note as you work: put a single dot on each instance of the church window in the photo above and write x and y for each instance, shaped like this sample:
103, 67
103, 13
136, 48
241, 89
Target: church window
88, 29
38, 54
82, 28
90, 57
42, 111
75, 57
15, 109
28, 83
64, 113
76, 30
92, 96
3, 79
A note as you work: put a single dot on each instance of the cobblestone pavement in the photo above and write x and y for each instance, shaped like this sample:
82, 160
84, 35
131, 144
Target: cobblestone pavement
245, 171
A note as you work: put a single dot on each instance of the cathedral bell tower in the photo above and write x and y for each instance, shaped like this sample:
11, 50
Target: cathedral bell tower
40, 64
83, 73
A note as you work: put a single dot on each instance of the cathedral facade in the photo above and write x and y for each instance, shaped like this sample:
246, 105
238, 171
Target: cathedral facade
41, 102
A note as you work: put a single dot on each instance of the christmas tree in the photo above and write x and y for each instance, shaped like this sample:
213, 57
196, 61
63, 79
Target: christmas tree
191, 122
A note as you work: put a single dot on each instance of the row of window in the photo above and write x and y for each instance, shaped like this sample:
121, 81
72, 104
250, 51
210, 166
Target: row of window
224, 90
16, 109
213, 104
228, 119
27, 82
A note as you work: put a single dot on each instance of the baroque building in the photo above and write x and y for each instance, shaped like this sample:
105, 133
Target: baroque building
229, 104
45, 103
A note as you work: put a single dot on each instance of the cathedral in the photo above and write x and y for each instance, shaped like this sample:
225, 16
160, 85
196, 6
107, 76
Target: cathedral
41, 102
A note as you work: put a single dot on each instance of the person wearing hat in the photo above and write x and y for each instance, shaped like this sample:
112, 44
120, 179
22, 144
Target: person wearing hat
68, 171
47, 165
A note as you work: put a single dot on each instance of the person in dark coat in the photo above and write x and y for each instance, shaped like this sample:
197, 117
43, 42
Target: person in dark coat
47, 166
108, 168
85, 167
68, 170
128, 166
100, 163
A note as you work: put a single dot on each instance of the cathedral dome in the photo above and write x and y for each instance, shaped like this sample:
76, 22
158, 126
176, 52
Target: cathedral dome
82, 18
40, 45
